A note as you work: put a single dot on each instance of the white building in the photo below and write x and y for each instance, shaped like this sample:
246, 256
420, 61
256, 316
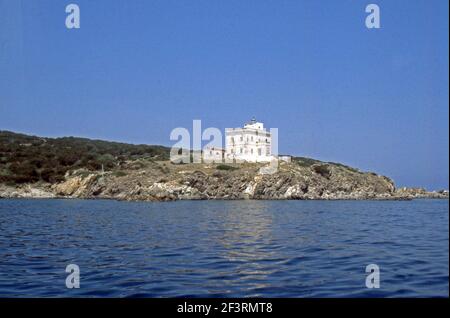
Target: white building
251, 143
213, 155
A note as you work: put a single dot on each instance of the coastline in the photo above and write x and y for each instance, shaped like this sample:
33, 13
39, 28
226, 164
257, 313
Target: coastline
70, 167
431, 198
162, 181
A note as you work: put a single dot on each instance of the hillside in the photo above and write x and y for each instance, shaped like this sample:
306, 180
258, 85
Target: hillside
71, 167
29, 159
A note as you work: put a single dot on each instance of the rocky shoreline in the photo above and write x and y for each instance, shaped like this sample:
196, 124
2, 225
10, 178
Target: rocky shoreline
162, 181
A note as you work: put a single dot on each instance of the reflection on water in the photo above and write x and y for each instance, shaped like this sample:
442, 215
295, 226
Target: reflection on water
223, 248
244, 238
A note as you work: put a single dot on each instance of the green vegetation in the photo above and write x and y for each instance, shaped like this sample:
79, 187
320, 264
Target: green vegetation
344, 166
308, 163
119, 173
26, 158
305, 162
323, 170
226, 167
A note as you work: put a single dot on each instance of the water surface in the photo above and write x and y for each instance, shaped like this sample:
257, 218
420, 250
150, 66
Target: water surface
224, 248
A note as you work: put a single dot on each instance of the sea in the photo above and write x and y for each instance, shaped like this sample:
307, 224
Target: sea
105, 248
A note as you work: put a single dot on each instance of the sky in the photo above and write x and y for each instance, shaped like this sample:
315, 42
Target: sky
375, 99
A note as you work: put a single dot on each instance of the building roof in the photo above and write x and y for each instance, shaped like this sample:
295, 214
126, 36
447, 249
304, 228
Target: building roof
252, 121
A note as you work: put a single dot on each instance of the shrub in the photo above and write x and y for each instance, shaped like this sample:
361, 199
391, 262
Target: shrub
29, 159
322, 170
344, 166
47, 174
305, 162
226, 167
119, 173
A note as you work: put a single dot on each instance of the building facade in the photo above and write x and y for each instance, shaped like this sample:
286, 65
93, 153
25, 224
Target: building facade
213, 155
251, 143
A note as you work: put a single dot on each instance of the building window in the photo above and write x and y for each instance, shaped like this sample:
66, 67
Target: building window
259, 152
242, 138
251, 151
232, 140
252, 138
241, 150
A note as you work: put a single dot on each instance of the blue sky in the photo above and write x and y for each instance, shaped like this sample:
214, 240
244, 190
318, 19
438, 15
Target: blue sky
337, 91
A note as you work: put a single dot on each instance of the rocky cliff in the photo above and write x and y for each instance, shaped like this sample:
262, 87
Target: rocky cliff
69, 167
150, 180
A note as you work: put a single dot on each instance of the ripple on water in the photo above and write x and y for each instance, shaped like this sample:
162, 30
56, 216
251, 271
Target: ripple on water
224, 248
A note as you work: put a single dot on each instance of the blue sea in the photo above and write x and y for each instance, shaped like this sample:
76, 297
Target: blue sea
224, 248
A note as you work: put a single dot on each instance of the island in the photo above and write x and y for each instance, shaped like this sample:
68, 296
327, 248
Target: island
70, 167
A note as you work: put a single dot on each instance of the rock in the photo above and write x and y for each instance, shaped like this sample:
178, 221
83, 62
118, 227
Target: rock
77, 186
27, 191
165, 182
420, 193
